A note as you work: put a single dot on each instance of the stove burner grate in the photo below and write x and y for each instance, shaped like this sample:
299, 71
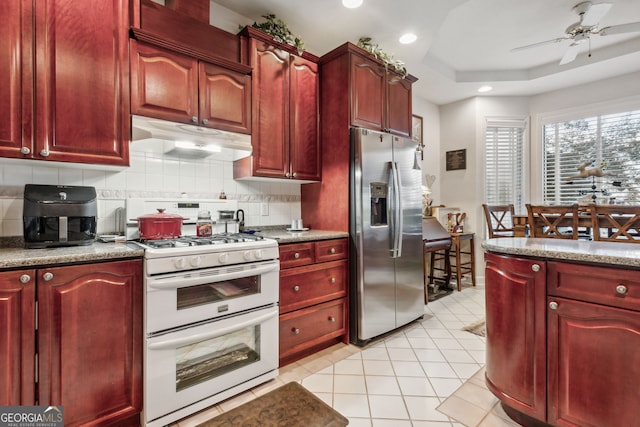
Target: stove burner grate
216, 239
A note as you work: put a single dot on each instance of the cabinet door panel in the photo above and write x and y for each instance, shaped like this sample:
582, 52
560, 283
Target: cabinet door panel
367, 93
90, 329
516, 339
82, 81
17, 329
164, 84
225, 99
304, 114
399, 105
270, 111
15, 77
590, 384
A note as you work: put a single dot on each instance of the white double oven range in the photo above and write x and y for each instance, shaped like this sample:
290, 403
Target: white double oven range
210, 315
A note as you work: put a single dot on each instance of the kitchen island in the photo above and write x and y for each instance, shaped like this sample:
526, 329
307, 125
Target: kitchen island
563, 329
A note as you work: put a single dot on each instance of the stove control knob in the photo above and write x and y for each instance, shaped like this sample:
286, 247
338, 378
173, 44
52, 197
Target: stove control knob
259, 253
247, 255
223, 258
196, 261
179, 263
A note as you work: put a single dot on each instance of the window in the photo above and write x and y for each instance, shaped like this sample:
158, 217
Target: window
504, 155
611, 142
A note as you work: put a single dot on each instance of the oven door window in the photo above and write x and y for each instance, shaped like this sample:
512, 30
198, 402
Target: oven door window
205, 360
194, 296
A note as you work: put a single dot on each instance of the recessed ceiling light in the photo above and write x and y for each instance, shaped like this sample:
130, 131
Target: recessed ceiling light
408, 38
352, 4
485, 88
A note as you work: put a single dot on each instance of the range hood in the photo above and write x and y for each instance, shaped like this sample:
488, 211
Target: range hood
187, 141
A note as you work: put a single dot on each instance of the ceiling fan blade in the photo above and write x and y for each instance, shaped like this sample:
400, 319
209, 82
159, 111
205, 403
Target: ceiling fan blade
540, 43
570, 54
593, 15
619, 29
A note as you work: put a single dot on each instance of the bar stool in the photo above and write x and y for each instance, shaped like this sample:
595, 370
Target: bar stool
459, 265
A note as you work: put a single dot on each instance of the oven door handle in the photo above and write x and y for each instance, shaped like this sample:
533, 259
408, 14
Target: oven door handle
191, 279
216, 332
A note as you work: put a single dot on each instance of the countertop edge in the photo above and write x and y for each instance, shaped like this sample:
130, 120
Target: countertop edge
605, 253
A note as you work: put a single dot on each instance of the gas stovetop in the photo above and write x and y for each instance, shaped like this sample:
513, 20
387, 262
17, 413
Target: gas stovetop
216, 239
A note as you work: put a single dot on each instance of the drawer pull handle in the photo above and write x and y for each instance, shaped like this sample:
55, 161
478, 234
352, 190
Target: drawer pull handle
553, 305
332, 280
296, 255
535, 267
296, 331
47, 276
296, 288
25, 278
332, 319
332, 250
621, 289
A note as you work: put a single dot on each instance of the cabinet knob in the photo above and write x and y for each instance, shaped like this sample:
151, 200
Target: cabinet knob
535, 267
332, 250
295, 174
296, 288
44, 153
621, 289
296, 255
332, 319
25, 278
332, 280
205, 121
553, 305
194, 119
287, 175
25, 150
296, 331
47, 276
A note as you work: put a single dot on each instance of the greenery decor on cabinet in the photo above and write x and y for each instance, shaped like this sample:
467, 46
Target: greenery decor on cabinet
277, 29
397, 65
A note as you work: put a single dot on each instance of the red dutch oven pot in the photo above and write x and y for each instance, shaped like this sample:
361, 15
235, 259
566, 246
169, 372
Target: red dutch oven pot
159, 225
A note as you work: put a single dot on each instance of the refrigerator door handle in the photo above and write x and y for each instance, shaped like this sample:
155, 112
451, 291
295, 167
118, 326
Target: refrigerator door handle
391, 210
397, 207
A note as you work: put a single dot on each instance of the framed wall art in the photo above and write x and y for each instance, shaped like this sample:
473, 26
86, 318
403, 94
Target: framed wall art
416, 129
456, 160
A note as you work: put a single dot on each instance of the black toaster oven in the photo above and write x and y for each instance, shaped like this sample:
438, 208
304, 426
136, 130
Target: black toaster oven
59, 215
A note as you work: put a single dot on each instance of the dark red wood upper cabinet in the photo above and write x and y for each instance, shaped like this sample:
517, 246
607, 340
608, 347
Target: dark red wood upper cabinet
285, 112
225, 98
399, 108
17, 329
71, 103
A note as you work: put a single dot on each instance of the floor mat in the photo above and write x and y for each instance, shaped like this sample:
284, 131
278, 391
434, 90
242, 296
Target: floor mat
291, 405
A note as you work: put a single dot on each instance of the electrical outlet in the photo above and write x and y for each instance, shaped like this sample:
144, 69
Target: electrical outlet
264, 209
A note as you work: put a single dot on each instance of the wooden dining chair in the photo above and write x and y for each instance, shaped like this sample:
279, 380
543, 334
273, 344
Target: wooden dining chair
616, 223
555, 222
499, 220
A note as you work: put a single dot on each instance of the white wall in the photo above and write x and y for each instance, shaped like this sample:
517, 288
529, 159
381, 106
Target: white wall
430, 114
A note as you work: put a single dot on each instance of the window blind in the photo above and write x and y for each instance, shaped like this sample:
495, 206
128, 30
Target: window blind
610, 141
504, 154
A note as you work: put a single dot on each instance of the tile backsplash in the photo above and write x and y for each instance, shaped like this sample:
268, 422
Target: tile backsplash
151, 174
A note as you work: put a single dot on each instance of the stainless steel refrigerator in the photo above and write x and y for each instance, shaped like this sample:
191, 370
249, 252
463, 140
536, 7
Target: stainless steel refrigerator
387, 288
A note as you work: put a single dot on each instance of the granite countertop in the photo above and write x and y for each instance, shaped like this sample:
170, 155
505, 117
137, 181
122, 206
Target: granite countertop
19, 257
284, 236
608, 253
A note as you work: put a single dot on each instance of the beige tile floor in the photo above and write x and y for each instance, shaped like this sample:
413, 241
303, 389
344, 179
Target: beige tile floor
428, 374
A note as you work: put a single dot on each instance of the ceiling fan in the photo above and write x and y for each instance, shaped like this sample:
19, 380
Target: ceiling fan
581, 31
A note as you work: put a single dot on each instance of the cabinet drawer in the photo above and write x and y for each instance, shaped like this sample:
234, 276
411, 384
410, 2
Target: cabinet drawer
601, 285
308, 327
331, 250
304, 286
297, 254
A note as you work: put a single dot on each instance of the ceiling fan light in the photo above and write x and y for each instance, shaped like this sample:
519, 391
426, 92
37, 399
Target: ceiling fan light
352, 4
485, 88
408, 38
